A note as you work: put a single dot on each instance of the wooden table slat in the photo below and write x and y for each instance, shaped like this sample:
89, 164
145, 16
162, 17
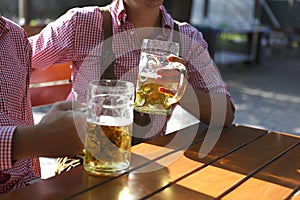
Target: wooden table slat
295, 195
60, 186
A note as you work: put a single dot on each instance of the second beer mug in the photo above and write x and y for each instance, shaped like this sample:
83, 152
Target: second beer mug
109, 127
152, 97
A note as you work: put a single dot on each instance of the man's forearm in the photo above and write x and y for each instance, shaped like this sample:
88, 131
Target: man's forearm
25, 142
211, 108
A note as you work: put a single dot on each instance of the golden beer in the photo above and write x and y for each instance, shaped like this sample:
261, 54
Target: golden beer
107, 148
153, 98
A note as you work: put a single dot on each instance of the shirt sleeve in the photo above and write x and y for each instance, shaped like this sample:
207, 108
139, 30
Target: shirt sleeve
55, 42
6, 136
203, 72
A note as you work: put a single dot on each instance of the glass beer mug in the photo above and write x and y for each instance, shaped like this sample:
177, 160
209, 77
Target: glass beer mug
109, 127
152, 97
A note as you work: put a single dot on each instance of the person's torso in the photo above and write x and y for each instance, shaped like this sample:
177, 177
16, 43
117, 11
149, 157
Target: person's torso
15, 106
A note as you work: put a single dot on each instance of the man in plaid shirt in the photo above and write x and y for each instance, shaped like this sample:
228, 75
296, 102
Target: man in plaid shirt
21, 142
77, 36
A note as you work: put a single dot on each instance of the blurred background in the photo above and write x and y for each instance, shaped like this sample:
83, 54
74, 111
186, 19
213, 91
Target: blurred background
255, 44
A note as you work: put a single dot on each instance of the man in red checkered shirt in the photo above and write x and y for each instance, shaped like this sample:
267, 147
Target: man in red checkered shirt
21, 142
77, 35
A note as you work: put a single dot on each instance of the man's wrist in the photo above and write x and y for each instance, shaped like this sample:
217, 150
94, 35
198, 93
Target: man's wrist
26, 142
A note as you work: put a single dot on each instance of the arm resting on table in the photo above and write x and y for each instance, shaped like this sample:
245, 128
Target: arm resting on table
213, 108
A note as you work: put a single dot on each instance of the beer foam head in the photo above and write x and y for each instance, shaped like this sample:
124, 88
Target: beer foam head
112, 121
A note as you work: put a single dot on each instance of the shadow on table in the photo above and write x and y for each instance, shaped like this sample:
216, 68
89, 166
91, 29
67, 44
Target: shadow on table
233, 152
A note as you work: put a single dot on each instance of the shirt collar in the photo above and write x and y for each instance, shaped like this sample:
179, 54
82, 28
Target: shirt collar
119, 11
167, 20
3, 25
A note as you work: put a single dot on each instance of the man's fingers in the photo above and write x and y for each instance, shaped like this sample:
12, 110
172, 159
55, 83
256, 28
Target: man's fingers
167, 72
172, 58
167, 79
78, 106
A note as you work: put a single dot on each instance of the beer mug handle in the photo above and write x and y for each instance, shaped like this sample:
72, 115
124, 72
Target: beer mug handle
182, 84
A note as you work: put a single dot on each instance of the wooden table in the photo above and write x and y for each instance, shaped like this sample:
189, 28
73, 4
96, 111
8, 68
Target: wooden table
244, 163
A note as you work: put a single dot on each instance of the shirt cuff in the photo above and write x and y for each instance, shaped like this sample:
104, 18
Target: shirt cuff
6, 136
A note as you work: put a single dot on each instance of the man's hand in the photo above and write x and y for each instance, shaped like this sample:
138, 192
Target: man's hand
60, 133
171, 75
66, 128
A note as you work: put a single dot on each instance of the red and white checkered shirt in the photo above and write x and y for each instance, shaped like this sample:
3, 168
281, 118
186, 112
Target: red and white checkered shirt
77, 36
15, 106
